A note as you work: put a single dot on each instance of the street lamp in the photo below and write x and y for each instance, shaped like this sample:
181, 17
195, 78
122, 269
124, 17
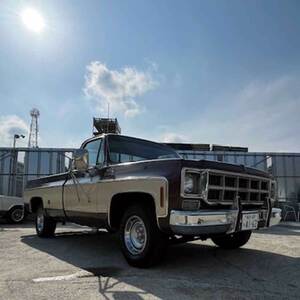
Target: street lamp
17, 136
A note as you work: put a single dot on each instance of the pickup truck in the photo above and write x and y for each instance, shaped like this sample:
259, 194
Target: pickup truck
152, 197
12, 209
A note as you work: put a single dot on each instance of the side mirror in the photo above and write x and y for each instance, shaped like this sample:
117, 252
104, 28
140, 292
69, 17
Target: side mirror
81, 160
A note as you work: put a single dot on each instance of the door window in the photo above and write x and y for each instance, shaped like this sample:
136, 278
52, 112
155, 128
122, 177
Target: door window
96, 152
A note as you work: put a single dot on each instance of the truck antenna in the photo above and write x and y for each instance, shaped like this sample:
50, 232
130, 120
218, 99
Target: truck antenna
107, 116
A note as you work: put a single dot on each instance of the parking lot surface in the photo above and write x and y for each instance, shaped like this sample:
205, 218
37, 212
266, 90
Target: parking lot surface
81, 264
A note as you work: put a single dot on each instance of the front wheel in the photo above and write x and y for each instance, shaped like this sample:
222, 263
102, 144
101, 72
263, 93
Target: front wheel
233, 240
44, 225
142, 243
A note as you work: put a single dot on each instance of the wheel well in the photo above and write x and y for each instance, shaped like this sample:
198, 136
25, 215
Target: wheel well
13, 207
35, 203
121, 202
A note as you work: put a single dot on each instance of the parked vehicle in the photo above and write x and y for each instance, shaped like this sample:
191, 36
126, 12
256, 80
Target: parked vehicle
152, 197
12, 208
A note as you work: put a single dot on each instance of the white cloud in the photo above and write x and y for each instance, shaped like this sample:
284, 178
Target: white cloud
172, 137
118, 88
9, 126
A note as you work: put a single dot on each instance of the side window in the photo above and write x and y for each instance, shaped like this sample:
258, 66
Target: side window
96, 153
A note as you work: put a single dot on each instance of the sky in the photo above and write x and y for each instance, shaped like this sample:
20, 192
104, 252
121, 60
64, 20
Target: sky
217, 72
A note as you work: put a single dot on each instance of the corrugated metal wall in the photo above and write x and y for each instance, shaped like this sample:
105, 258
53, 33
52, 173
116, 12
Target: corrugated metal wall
19, 165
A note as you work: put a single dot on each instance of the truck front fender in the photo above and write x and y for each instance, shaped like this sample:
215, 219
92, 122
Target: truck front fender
156, 187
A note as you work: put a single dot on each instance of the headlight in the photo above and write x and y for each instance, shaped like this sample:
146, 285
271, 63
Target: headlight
190, 183
194, 183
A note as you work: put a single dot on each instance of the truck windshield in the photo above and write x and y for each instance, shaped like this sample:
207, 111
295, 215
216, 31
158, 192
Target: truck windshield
126, 149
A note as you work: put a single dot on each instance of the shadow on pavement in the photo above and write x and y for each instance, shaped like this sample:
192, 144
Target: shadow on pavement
186, 269
281, 230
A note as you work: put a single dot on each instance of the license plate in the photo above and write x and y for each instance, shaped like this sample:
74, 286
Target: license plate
249, 221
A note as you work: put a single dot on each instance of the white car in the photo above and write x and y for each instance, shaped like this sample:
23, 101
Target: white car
12, 208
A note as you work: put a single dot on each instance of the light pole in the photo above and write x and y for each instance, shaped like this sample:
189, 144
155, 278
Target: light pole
17, 136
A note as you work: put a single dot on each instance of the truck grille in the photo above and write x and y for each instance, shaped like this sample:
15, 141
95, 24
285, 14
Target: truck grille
225, 187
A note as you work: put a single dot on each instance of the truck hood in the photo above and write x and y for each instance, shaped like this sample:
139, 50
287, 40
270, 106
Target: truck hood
216, 165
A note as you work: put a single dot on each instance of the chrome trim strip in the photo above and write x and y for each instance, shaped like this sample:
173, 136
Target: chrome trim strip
199, 218
134, 178
235, 174
214, 221
142, 161
202, 222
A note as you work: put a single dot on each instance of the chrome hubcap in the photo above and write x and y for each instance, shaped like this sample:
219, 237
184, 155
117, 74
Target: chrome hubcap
135, 235
17, 215
40, 221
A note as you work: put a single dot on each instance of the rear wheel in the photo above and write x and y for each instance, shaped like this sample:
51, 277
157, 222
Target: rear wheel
233, 240
142, 243
45, 226
16, 215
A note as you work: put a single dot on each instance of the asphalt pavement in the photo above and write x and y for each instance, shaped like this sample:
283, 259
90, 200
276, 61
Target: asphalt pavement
80, 263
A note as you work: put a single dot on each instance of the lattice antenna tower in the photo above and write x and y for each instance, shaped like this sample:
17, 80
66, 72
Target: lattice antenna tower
34, 128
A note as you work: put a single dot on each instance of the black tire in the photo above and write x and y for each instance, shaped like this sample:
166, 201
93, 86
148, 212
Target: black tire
44, 225
232, 241
15, 215
155, 242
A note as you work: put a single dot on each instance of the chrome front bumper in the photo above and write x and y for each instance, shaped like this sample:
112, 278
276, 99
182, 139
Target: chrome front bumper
205, 222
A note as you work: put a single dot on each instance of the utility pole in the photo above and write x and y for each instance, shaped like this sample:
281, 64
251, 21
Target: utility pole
107, 116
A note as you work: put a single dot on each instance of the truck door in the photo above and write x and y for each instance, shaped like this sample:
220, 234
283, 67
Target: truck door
82, 190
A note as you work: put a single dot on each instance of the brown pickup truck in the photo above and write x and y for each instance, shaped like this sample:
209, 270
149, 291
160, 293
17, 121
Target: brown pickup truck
152, 197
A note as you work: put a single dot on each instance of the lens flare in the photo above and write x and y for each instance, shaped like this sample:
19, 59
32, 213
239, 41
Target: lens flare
33, 20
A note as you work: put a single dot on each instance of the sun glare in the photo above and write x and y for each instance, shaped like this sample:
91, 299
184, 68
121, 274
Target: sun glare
33, 20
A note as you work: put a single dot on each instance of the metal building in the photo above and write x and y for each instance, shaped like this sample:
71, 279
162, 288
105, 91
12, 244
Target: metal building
18, 165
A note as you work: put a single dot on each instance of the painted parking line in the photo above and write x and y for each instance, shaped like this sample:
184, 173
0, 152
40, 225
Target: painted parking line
80, 274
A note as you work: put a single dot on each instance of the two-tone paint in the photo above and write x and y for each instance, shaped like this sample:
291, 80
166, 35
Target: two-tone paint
87, 197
